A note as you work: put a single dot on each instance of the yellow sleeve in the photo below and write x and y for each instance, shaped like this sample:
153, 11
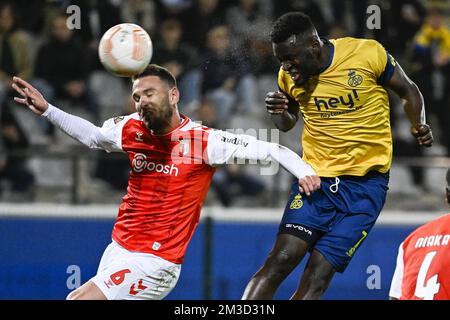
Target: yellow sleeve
381, 62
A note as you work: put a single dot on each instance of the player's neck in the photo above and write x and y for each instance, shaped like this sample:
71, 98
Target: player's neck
174, 123
326, 54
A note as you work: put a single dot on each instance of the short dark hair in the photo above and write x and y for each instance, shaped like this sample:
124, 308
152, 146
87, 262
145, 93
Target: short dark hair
288, 24
158, 71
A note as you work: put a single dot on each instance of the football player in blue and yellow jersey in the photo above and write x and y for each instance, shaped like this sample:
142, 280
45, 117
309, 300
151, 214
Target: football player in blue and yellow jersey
339, 88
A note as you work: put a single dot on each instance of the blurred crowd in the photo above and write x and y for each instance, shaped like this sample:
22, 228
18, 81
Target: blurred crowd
221, 55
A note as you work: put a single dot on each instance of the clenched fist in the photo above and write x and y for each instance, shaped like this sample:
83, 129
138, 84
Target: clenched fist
276, 102
423, 134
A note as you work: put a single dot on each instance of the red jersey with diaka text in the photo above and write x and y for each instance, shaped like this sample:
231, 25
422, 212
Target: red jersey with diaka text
423, 263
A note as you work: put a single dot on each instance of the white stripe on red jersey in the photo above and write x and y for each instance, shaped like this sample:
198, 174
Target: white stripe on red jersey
168, 183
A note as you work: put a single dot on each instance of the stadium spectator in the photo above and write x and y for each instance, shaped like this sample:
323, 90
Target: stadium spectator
315, 11
232, 183
13, 167
29, 15
226, 76
14, 59
61, 68
431, 56
249, 21
175, 9
199, 19
405, 19
96, 17
15, 51
180, 59
140, 12
423, 262
172, 161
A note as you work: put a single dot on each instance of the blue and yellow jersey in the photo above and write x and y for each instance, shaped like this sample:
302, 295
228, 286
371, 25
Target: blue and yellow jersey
346, 110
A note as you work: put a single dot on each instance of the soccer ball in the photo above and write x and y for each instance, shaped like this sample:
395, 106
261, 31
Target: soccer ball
125, 49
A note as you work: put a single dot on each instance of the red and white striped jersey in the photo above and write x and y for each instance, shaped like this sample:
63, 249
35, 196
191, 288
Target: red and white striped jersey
423, 263
168, 182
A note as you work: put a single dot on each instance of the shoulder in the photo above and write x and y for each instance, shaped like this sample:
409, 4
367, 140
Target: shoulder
442, 224
435, 226
120, 121
190, 125
367, 54
194, 131
356, 45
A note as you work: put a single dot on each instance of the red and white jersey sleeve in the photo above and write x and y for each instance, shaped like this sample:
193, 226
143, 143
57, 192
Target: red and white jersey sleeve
111, 131
423, 263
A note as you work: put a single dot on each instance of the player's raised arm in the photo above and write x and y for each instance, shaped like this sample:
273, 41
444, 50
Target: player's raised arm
78, 128
223, 146
414, 107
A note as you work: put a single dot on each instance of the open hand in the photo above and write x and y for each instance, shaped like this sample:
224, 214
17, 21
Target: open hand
30, 96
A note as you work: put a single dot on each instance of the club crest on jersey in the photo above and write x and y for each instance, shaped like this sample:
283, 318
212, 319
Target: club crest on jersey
297, 203
184, 147
139, 136
354, 79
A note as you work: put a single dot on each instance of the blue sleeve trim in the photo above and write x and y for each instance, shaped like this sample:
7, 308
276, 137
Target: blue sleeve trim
388, 70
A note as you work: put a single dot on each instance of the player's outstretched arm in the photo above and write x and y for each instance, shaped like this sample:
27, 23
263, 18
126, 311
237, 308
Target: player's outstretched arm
76, 127
414, 107
223, 146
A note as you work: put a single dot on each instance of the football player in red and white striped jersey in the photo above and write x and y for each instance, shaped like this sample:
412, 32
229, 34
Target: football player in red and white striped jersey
423, 261
172, 161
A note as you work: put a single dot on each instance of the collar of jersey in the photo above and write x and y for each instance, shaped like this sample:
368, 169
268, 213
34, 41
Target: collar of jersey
184, 121
327, 42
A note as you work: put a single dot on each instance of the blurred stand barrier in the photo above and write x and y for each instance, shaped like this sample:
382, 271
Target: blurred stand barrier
43, 243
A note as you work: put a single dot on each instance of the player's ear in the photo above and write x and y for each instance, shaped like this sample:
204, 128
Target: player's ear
174, 95
315, 45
